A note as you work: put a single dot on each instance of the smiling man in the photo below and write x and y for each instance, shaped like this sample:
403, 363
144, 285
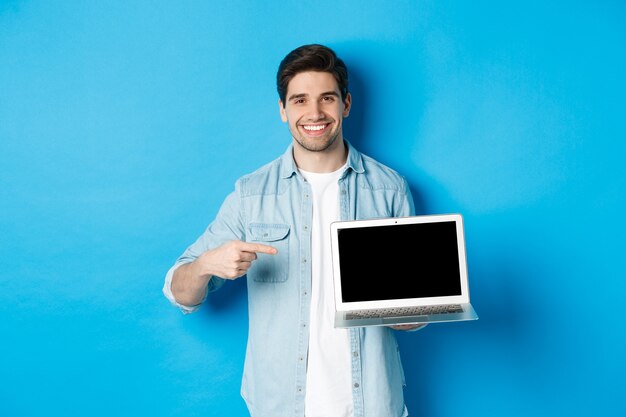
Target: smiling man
273, 229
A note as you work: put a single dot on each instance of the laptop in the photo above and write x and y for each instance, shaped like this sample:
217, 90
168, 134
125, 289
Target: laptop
400, 270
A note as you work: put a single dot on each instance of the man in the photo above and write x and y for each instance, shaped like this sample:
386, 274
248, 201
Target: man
273, 228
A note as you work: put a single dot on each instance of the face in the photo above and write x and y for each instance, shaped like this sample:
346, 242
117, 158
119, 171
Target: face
314, 110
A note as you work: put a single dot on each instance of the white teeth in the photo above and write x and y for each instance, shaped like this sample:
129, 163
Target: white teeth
315, 127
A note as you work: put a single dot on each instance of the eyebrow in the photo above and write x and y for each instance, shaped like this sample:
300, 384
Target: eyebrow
303, 95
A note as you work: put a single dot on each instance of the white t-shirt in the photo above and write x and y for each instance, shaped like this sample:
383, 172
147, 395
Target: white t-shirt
329, 369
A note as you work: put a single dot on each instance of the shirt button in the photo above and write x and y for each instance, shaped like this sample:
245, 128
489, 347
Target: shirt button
304, 260
356, 385
355, 354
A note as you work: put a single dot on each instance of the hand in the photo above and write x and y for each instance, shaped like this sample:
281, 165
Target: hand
233, 259
408, 327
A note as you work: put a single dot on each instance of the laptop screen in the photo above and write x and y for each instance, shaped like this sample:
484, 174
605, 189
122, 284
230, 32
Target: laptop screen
399, 261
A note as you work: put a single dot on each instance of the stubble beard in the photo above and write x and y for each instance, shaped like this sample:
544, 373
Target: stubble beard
316, 144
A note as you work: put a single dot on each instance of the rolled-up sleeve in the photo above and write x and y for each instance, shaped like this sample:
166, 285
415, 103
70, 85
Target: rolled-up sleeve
167, 291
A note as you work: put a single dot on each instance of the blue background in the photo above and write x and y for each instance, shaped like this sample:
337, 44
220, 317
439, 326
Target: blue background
123, 125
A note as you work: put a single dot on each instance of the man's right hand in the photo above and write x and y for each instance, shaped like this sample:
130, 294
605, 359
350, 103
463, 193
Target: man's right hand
232, 259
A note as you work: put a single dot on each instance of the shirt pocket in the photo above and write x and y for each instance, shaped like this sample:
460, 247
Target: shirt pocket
270, 268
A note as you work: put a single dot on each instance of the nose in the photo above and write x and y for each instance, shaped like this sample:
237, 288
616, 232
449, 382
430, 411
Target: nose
315, 111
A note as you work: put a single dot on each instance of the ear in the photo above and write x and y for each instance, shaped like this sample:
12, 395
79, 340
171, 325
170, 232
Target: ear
347, 103
281, 108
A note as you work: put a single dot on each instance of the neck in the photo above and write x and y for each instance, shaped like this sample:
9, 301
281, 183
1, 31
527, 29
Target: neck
328, 160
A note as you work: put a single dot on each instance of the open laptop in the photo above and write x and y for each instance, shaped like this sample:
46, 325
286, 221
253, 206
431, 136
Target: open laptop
400, 270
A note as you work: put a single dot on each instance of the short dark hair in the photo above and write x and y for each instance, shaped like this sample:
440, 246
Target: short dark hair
312, 57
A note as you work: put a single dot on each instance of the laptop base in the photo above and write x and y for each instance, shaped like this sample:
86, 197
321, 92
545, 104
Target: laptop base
342, 319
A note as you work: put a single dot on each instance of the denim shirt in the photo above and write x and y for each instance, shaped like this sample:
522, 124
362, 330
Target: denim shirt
273, 206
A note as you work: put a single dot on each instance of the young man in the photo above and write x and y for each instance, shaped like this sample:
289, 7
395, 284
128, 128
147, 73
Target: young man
273, 228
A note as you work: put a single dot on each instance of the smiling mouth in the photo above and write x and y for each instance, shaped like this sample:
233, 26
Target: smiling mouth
314, 128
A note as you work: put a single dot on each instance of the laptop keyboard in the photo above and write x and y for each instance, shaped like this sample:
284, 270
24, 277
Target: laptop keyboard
405, 311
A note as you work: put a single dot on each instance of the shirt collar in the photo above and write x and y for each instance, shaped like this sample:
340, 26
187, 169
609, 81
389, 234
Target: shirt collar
288, 164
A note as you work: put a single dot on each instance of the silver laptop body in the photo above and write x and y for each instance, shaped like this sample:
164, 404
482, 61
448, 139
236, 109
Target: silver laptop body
400, 270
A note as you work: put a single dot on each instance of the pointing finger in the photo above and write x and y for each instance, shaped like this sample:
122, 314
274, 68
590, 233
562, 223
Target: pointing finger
259, 248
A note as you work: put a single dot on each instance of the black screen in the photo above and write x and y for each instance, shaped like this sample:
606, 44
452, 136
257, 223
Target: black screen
399, 261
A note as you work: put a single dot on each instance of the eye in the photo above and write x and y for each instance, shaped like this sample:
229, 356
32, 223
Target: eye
328, 99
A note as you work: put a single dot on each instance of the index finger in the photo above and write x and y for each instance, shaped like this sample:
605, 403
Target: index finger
259, 248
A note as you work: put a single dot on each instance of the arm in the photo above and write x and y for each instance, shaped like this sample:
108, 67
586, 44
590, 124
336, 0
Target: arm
193, 280
189, 284
229, 261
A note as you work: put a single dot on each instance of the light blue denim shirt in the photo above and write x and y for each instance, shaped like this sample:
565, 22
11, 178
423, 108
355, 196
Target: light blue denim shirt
273, 206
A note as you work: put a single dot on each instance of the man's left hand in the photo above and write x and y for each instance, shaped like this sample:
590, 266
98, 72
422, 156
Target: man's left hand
408, 327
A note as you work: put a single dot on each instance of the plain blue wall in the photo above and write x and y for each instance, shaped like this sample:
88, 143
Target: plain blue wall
123, 125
